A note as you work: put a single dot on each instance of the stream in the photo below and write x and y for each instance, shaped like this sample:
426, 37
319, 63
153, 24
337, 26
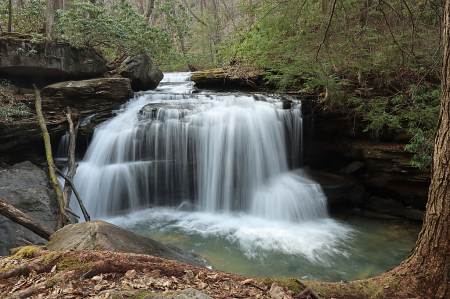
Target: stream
213, 174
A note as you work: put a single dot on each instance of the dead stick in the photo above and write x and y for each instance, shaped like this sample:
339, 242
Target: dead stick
71, 212
48, 153
310, 291
15, 215
85, 213
71, 164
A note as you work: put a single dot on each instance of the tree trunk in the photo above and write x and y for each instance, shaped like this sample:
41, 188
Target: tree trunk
251, 15
15, 215
50, 20
324, 7
48, 153
10, 16
427, 268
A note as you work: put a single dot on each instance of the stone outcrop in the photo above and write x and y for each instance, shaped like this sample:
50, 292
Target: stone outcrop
226, 79
27, 188
85, 97
100, 235
334, 143
55, 62
143, 73
338, 187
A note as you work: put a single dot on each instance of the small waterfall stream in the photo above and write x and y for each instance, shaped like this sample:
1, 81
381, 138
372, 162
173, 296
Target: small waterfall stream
219, 152
217, 174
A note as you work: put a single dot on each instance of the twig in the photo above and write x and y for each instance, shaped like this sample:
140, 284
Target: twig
85, 213
326, 31
71, 212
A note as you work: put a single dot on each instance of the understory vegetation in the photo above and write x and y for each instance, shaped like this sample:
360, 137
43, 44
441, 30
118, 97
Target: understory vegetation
379, 61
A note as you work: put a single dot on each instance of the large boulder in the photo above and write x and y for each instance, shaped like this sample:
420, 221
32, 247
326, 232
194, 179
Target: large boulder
57, 60
27, 188
143, 73
86, 97
101, 235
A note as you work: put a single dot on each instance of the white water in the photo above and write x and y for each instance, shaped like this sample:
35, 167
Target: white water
214, 165
220, 152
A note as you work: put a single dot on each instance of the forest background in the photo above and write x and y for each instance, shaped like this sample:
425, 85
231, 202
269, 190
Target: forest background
375, 60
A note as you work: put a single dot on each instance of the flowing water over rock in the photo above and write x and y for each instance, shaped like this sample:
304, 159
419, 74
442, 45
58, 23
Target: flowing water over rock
213, 169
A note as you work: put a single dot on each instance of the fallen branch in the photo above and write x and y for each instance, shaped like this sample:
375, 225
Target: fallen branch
48, 152
83, 209
307, 289
15, 215
71, 212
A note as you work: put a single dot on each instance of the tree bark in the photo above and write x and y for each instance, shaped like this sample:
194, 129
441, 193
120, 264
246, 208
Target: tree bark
48, 153
10, 16
148, 12
427, 268
71, 164
15, 215
50, 20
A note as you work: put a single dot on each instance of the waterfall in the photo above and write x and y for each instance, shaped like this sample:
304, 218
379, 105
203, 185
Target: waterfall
220, 152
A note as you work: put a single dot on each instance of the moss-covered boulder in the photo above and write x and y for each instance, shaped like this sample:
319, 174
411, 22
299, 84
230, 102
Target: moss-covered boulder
101, 235
220, 78
143, 73
27, 188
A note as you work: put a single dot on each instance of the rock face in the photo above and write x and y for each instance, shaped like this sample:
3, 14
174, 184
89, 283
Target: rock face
338, 187
334, 144
27, 188
57, 60
100, 235
143, 73
85, 97
89, 96
221, 79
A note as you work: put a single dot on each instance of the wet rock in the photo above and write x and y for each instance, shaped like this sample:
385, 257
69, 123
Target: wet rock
354, 166
100, 235
143, 73
85, 97
219, 79
89, 96
336, 143
55, 60
338, 188
391, 207
27, 188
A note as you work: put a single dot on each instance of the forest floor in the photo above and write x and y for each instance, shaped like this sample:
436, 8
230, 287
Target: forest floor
37, 273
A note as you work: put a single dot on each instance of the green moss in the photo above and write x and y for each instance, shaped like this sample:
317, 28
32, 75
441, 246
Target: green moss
6, 269
142, 294
49, 258
52, 241
26, 252
71, 263
51, 282
287, 284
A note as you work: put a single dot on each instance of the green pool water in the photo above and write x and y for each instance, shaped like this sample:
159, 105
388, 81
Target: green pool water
343, 247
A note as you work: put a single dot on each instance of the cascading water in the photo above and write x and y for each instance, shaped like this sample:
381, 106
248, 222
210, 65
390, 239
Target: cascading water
212, 173
220, 152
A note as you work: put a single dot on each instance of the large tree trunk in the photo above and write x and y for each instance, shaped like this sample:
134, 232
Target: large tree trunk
427, 268
50, 19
